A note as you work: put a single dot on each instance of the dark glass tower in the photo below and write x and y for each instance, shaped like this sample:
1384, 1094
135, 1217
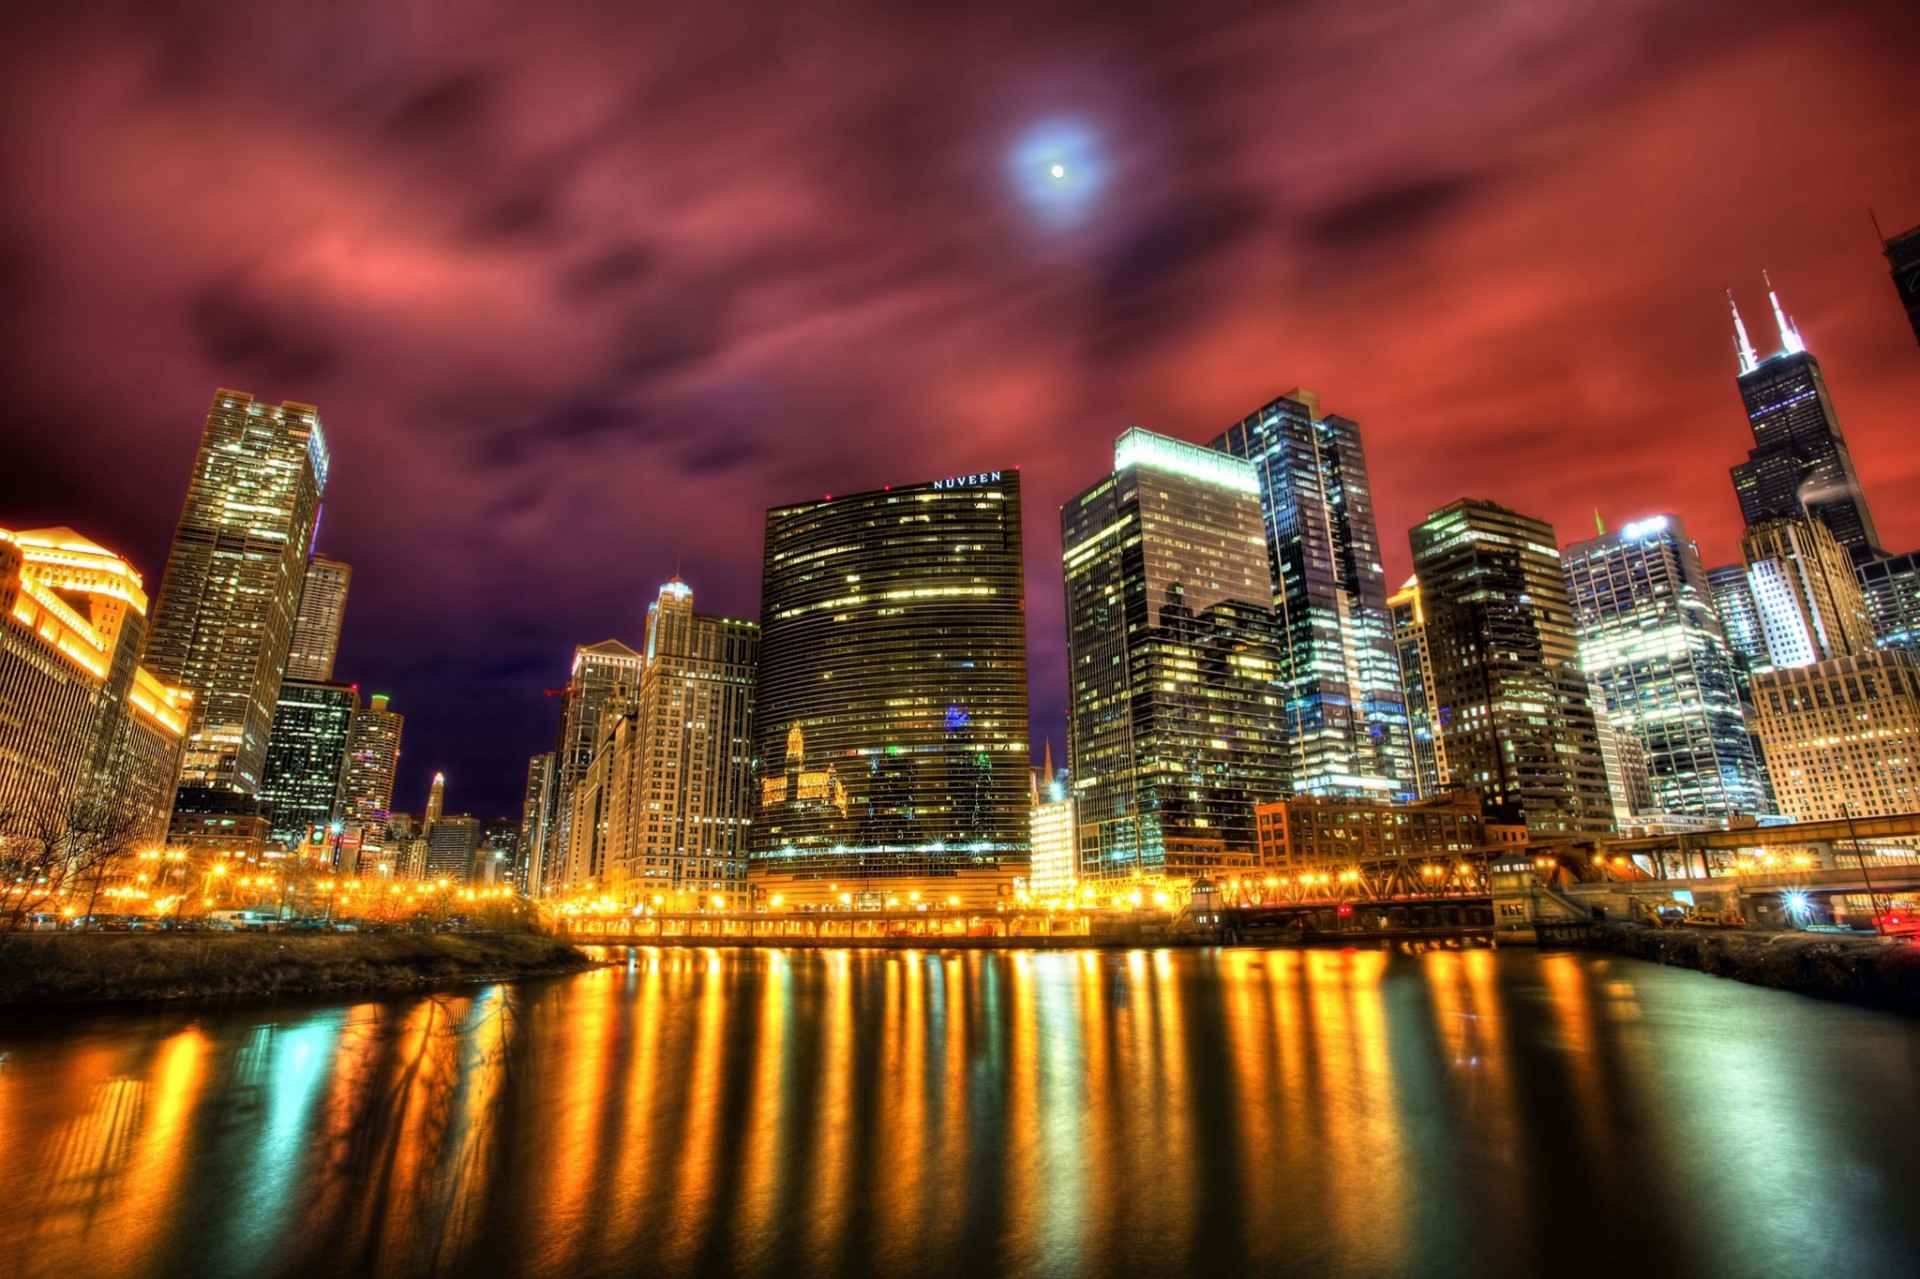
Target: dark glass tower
307, 757
1800, 463
1507, 680
891, 701
1346, 712
1177, 719
1903, 260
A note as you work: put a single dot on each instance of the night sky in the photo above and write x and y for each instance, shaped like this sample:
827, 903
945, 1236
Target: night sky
581, 290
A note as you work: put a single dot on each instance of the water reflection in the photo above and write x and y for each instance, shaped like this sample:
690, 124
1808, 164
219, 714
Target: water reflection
914, 1113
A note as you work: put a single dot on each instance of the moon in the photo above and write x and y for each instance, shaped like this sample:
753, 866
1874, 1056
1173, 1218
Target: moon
1058, 170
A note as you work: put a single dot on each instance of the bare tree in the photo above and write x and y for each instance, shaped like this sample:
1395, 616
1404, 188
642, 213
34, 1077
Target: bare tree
62, 847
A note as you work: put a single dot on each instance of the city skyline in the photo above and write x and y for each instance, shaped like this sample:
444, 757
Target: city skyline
1475, 351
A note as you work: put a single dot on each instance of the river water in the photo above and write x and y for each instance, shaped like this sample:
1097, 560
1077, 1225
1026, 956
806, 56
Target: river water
1238, 1112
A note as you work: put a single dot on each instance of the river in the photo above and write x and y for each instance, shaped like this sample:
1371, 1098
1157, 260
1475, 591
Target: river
1239, 1112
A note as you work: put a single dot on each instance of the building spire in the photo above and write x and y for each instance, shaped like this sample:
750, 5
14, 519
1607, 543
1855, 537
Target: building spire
1749, 358
1789, 335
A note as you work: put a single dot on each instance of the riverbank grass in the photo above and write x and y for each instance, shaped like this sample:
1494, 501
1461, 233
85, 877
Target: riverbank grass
1854, 970
96, 968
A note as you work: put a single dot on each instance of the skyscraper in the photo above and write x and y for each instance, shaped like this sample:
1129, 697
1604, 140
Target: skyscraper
891, 702
1176, 707
604, 675
316, 626
436, 802
1739, 619
1892, 590
1805, 592
87, 733
1838, 719
1799, 463
536, 814
224, 618
1346, 713
689, 802
451, 843
1052, 830
373, 757
1903, 261
307, 756
1416, 680
1507, 681
1652, 643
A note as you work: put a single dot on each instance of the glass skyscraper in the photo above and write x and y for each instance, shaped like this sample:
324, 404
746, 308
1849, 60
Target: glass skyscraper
1177, 713
224, 617
307, 755
1652, 643
1507, 680
1416, 678
1799, 463
1892, 589
1346, 712
891, 700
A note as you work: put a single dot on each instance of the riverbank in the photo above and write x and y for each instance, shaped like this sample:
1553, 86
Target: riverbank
112, 968
1854, 970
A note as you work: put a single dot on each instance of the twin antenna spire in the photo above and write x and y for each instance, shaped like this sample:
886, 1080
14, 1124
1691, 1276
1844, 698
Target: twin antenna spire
1790, 342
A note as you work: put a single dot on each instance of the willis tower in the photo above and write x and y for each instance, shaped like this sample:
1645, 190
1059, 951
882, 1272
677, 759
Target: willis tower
1800, 463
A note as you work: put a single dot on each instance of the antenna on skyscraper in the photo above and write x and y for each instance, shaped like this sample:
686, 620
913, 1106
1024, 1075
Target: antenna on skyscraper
1749, 358
1789, 335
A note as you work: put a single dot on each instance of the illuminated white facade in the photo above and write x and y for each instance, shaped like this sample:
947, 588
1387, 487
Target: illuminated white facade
1051, 827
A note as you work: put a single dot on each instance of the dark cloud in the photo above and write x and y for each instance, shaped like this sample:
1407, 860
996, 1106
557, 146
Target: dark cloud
582, 289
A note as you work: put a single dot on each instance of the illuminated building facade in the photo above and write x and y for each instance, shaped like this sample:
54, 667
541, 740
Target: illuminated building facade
890, 707
220, 822
1176, 708
1051, 829
1892, 590
605, 676
307, 754
316, 625
1346, 714
1903, 262
1424, 730
451, 844
223, 621
1507, 681
1652, 645
497, 860
373, 758
1308, 834
436, 802
1843, 735
87, 733
536, 814
1805, 592
689, 800
1800, 463
597, 820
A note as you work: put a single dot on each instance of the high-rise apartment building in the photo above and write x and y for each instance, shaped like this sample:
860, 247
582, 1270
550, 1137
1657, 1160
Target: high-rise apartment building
536, 814
373, 758
1507, 681
1799, 463
689, 800
1805, 592
1652, 643
1425, 731
316, 626
1892, 590
87, 733
1346, 713
605, 678
1903, 262
307, 758
223, 621
891, 704
451, 844
1177, 708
